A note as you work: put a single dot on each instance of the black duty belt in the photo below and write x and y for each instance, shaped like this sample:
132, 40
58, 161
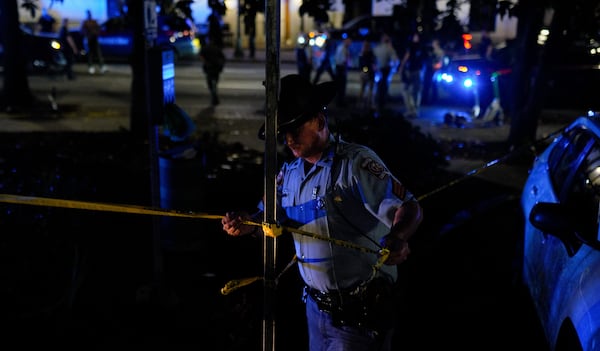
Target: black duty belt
335, 300
368, 305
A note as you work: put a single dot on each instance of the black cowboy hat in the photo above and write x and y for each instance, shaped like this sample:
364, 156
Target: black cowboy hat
299, 99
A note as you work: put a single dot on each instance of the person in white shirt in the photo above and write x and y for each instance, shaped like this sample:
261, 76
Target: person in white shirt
342, 62
387, 63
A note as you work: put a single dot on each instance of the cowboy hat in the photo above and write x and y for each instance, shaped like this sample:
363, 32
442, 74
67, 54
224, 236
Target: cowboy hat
298, 101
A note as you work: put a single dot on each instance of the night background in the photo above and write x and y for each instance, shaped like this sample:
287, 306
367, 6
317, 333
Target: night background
81, 279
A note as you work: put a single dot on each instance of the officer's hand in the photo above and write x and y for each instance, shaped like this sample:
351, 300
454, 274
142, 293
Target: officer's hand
399, 250
233, 224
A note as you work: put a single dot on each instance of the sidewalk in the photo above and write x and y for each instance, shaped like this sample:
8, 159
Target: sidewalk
285, 55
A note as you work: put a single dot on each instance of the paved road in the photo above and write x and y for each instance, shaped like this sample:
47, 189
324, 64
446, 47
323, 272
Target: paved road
101, 103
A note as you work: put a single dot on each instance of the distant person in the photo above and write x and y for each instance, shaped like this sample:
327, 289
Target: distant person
304, 57
387, 62
325, 64
486, 92
213, 62
343, 59
46, 22
367, 63
215, 28
434, 62
250, 31
486, 47
90, 29
411, 72
70, 47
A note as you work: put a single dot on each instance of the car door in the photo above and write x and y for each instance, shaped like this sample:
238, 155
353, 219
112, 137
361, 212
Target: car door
116, 38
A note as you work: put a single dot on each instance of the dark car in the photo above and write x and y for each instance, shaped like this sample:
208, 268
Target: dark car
561, 248
116, 38
467, 81
43, 52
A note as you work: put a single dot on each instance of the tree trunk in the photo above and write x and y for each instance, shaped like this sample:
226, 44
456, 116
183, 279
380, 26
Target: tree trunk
16, 92
525, 98
139, 84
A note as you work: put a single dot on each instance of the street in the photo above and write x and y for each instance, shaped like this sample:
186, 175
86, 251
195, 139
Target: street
242, 107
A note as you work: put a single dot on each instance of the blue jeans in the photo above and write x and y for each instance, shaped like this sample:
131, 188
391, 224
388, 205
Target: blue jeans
382, 87
324, 336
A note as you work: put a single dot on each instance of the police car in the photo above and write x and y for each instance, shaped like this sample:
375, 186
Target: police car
561, 248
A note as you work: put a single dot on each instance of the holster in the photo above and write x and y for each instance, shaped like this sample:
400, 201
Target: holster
371, 306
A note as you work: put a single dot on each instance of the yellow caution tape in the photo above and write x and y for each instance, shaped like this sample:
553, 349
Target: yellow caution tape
385, 253
98, 206
238, 283
339, 242
269, 229
272, 230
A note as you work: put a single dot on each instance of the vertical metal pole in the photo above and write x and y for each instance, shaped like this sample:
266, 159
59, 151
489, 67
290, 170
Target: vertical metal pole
149, 31
272, 14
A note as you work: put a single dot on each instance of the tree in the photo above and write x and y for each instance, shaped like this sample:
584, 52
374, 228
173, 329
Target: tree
524, 102
139, 118
530, 60
451, 30
218, 6
482, 15
16, 92
316, 9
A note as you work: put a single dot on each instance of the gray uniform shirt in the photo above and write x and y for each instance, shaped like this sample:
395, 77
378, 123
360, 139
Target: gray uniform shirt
348, 195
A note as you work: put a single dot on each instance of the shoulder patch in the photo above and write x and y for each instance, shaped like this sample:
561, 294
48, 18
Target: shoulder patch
374, 168
279, 178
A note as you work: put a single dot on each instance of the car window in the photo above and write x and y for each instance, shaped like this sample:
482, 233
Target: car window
574, 166
585, 192
564, 160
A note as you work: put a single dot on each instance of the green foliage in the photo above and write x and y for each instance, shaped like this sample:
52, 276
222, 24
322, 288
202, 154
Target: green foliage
251, 7
505, 8
316, 9
218, 6
31, 5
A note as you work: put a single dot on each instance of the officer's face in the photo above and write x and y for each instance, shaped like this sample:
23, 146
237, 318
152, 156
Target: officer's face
305, 141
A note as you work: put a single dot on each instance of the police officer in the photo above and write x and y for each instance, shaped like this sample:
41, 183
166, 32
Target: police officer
341, 191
